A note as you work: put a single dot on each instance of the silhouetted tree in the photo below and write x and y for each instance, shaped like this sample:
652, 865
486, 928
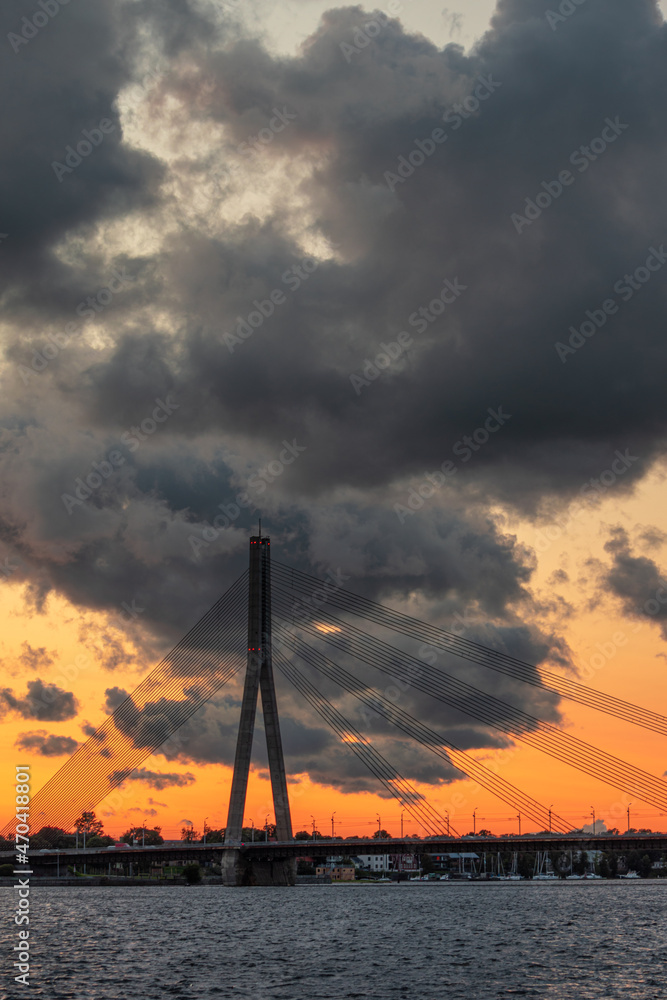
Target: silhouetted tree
96, 841
88, 823
189, 834
150, 837
218, 836
52, 836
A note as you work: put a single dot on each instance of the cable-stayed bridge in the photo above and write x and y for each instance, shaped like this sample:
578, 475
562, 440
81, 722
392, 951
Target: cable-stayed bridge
305, 626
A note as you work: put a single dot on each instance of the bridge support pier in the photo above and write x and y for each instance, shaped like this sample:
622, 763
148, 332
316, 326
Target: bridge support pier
238, 869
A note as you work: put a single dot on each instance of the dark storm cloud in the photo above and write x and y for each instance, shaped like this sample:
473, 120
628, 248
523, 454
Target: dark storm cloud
64, 80
46, 744
45, 702
308, 744
311, 746
637, 580
496, 345
490, 350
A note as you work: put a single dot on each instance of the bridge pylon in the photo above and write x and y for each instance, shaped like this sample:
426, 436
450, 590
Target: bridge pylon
258, 680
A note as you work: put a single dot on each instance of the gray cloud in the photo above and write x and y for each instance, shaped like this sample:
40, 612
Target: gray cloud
33, 658
636, 580
114, 697
45, 702
156, 779
46, 744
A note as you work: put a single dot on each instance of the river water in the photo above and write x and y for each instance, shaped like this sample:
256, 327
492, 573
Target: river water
422, 941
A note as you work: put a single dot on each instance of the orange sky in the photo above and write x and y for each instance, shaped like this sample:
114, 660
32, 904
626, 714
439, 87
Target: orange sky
635, 672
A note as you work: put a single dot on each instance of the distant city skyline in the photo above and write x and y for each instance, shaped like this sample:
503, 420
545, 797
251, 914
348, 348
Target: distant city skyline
402, 301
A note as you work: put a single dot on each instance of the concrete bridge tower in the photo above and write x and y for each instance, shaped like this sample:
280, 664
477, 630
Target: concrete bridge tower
258, 678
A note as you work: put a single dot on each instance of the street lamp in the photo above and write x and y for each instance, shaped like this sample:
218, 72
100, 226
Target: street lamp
205, 818
519, 819
550, 808
629, 804
402, 811
313, 819
266, 827
447, 815
379, 824
252, 830
593, 815
332, 823
474, 819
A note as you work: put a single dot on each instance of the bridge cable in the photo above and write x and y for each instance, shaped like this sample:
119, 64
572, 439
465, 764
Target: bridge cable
468, 649
393, 781
116, 726
428, 738
484, 707
470, 700
75, 778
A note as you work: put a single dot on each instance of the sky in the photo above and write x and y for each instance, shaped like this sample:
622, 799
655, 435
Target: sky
392, 280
